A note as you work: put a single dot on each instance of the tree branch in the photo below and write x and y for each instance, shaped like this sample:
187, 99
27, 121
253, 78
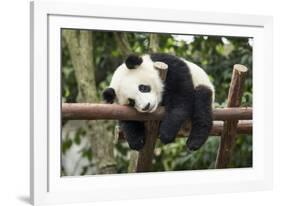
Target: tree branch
123, 43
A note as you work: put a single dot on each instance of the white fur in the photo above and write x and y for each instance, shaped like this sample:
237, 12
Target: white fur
199, 76
125, 82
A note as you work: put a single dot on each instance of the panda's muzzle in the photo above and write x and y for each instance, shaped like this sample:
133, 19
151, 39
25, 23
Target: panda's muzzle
146, 107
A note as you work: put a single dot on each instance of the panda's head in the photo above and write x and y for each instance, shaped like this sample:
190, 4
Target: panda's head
136, 83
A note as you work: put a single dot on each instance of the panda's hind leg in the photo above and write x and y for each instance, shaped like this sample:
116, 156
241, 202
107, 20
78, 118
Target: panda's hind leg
134, 132
201, 118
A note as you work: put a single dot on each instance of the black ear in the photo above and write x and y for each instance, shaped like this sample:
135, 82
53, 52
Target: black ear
133, 61
109, 95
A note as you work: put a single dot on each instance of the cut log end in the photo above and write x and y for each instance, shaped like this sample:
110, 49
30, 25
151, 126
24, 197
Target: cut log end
160, 65
240, 68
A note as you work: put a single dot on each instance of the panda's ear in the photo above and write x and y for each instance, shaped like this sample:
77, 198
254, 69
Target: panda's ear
109, 95
133, 61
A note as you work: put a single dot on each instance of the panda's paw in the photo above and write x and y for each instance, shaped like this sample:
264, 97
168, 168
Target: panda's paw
193, 146
194, 143
167, 133
136, 144
166, 139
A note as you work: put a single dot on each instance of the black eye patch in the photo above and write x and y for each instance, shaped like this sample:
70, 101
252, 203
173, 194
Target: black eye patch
131, 102
144, 88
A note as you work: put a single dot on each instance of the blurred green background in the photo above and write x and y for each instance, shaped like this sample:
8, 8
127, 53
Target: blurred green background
90, 148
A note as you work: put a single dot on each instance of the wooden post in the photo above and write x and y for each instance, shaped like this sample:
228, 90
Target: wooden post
144, 163
230, 126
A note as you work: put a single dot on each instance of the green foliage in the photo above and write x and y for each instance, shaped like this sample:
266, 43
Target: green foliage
242, 154
175, 156
121, 153
67, 143
216, 55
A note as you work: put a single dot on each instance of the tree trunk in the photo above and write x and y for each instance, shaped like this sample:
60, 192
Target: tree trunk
80, 45
153, 43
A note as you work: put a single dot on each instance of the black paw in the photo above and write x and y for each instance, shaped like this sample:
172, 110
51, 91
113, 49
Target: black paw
167, 132
165, 139
136, 144
194, 143
109, 95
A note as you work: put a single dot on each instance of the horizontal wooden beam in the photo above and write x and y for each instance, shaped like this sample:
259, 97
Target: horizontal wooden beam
243, 127
87, 111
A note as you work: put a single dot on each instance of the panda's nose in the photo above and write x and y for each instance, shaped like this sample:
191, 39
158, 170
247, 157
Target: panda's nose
146, 107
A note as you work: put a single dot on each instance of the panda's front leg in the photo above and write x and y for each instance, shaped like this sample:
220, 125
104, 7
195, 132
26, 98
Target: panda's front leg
134, 132
172, 123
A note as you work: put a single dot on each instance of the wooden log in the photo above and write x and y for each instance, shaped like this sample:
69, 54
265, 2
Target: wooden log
145, 157
87, 111
230, 126
243, 127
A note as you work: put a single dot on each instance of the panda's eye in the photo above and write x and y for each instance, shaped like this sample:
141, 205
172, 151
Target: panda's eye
131, 102
144, 88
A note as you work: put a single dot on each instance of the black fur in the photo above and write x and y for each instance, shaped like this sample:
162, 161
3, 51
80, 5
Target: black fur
182, 102
109, 95
202, 120
133, 61
178, 97
134, 132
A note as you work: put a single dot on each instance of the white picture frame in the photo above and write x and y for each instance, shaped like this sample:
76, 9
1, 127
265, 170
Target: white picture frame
47, 185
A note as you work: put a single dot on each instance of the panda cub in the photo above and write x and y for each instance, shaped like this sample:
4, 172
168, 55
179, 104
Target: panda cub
187, 94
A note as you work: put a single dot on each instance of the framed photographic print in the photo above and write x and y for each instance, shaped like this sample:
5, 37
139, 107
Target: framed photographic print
126, 105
